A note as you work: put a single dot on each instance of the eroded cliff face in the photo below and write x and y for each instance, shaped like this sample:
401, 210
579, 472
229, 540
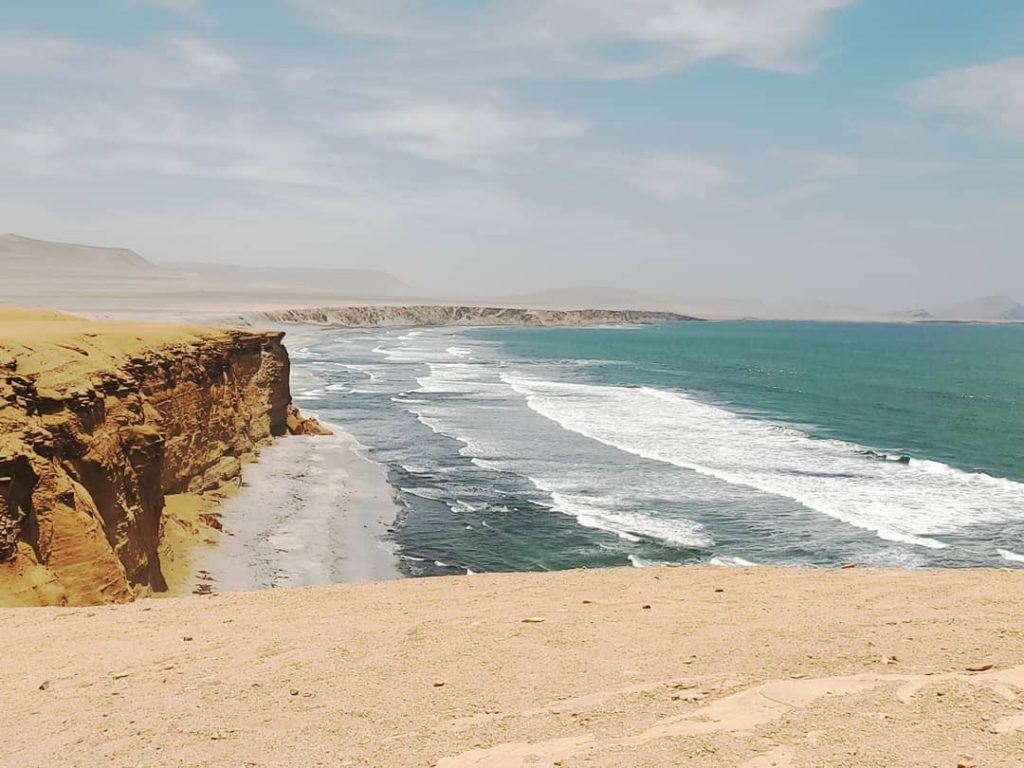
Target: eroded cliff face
444, 314
85, 461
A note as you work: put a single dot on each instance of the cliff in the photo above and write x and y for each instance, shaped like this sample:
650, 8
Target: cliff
442, 314
98, 423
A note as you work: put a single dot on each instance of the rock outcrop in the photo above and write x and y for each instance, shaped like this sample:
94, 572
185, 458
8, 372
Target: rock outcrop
443, 314
304, 425
98, 423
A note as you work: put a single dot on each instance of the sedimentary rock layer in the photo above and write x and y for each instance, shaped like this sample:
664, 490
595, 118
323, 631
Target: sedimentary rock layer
98, 422
442, 314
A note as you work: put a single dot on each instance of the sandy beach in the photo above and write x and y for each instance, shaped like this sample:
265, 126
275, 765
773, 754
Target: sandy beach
640, 667
311, 511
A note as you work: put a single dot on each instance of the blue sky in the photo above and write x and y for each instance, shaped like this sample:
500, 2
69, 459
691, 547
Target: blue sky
856, 152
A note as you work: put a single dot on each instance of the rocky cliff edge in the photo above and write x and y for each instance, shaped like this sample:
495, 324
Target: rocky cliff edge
373, 316
99, 422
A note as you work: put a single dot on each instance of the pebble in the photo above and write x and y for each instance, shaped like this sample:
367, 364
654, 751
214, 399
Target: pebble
534, 620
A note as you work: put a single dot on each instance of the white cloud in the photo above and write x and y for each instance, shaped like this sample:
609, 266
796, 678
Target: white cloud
96, 138
192, 9
590, 38
203, 56
672, 175
31, 152
178, 62
454, 130
821, 166
992, 93
34, 56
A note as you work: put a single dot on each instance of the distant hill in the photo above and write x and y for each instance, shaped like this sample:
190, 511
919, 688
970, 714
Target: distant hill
40, 273
351, 283
593, 297
910, 314
23, 255
604, 297
987, 308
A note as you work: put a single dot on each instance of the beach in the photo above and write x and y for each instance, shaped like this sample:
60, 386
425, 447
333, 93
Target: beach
643, 667
311, 511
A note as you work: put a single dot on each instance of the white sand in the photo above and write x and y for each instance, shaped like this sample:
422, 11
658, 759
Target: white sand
311, 511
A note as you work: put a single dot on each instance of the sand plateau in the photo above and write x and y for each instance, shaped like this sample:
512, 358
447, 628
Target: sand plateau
623, 668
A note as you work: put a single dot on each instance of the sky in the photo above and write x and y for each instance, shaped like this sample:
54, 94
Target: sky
867, 153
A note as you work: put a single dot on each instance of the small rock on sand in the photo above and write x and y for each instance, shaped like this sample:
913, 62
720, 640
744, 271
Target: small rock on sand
534, 620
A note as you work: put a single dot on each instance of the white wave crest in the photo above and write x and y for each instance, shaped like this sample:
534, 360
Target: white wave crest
908, 503
730, 561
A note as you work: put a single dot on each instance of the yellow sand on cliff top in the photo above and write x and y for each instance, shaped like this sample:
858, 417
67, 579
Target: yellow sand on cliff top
63, 349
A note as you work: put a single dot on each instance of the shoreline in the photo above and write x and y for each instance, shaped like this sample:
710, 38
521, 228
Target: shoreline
729, 667
311, 511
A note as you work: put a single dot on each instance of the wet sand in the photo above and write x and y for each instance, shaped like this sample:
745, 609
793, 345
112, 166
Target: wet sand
311, 511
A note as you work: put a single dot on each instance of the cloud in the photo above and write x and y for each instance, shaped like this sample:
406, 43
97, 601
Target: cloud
992, 93
587, 38
203, 56
34, 56
191, 9
454, 130
671, 175
97, 137
175, 62
184, 106
821, 166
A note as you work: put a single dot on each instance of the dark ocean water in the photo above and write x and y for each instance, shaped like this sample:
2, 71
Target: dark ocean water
796, 443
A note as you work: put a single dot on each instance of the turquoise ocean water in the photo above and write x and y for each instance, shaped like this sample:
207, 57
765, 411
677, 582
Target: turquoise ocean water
728, 443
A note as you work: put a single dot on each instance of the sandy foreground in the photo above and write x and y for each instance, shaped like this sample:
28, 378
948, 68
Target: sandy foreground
707, 666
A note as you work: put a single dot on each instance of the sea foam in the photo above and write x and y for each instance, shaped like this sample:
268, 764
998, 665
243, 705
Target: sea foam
909, 502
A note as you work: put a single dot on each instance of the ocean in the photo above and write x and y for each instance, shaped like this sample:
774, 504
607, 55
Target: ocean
813, 444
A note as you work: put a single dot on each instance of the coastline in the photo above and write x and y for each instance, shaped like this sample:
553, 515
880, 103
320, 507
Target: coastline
744, 667
312, 511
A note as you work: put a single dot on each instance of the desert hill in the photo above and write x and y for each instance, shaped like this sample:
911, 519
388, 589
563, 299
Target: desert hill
42, 257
